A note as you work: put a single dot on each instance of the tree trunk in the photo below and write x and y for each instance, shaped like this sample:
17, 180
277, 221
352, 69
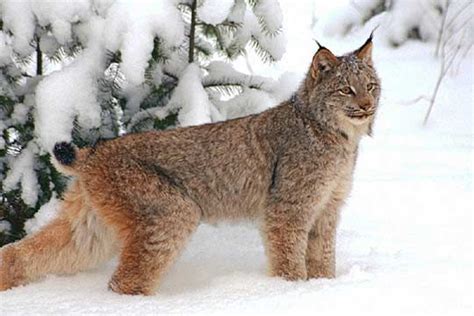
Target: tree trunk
39, 58
192, 32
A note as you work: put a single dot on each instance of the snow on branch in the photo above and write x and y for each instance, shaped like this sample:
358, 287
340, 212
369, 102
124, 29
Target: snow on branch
269, 16
258, 27
155, 19
223, 76
191, 98
22, 172
214, 11
78, 98
399, 20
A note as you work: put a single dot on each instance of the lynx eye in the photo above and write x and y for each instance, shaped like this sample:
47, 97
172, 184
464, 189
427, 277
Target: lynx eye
346, 91
370, 87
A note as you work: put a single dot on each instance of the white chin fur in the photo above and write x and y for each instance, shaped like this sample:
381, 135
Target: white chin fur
359, 121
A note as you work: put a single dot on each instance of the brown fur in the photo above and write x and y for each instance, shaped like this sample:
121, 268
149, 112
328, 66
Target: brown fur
289, 168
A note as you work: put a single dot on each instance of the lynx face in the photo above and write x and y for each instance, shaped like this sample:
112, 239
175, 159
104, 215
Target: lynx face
348, 84
357, 92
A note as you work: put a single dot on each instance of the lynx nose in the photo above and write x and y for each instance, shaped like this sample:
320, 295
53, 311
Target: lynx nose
365, 105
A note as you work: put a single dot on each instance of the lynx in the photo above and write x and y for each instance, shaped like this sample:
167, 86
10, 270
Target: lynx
142, 195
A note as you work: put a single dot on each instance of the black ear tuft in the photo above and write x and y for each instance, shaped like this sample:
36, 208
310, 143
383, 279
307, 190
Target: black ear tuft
319, 44
365, 51
64, 153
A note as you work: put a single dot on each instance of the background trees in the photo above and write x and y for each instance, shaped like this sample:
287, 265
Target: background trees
90, 70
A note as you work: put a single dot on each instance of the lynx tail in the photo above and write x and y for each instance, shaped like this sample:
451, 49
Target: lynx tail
68, 158
65, 153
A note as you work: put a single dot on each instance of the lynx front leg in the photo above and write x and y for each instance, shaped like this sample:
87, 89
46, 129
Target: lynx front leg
75, 241
286, 241
321, 251
153, 245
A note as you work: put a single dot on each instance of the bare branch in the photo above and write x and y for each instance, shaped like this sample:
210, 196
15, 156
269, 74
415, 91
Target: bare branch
442, 27
457, 14
416, 100
450, 46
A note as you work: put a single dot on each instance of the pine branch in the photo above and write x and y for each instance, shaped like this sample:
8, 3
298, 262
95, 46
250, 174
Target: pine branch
231, 86
58, 55
113, 57
22, 60
263, 53
229, 89
185, 9
203, 47
265, 30
253, 3
263, 22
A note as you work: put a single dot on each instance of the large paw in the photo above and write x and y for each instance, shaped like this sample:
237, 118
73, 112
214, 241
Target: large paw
128, 287
321, 272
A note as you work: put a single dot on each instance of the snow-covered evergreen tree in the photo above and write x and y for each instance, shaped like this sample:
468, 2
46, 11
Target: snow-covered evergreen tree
96, 69
400, 20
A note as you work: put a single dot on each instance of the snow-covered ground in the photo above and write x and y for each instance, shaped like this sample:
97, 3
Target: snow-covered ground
404, 241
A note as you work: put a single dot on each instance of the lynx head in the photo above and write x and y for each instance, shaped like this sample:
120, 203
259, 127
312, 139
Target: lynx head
344, 91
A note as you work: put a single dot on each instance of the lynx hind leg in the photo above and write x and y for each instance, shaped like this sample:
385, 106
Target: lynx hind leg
321, 251
153, 245
74, 241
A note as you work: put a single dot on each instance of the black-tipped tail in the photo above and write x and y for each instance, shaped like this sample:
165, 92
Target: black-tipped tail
64, 153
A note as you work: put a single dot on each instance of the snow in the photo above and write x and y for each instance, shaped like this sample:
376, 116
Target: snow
60, 15
404, 241
20, 113
256, 27
77, 83
263, 93
222, 72
404, 244
250, 101
340, 20
403, 17
104, 27
400, 23
215, 11
48, 44
21, 25
270, 15
22, 171
274, 45
5, 50
191, 98
147, 21
45, 214
19, 17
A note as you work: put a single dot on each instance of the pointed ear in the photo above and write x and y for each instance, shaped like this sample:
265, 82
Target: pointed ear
364, 53
323, 61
